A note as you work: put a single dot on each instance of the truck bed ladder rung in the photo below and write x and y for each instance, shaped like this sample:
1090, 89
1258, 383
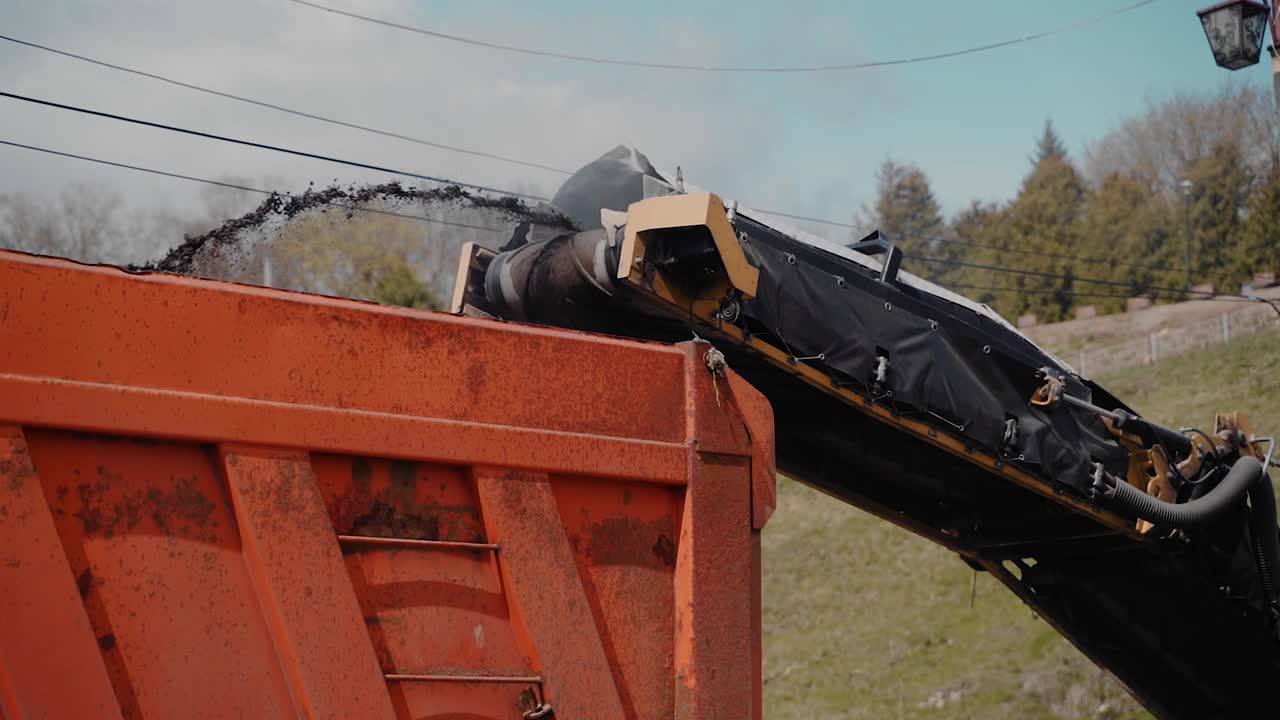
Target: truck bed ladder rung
525, 679
412, 544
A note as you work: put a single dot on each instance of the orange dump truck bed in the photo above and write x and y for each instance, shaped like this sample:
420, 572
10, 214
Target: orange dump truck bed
228, 501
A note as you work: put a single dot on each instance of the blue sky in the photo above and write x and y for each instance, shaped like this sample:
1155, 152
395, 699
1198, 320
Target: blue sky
969, 121
803, 143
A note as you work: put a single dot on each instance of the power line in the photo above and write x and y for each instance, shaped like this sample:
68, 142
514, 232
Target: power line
367, 166
968, 243
247, 188
1034, 253
501, 158
1205, 295
1059, 256
806, 218
237, 186
1036, 291
356, 208
264, 146
377, 131
1274, 305
721, 68
281, 108
341, 123
420, 141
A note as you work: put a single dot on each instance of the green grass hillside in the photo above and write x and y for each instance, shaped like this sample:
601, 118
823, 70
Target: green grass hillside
864, 620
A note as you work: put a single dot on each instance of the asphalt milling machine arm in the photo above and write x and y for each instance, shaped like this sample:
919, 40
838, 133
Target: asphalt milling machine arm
1154, 550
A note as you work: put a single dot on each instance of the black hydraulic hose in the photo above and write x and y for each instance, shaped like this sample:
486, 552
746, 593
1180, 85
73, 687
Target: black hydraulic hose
1205, 509
1245, 477
1266, 540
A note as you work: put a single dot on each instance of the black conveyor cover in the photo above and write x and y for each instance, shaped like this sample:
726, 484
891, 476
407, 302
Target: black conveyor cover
947, 357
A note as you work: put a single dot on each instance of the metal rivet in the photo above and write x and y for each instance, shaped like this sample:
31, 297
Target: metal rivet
933, 325
742, 237
888, 306
791, 258
839, 281
986, 349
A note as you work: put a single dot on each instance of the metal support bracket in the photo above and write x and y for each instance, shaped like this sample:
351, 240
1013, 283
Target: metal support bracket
875, 244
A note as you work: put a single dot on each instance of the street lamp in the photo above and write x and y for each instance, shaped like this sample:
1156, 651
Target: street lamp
1235, 30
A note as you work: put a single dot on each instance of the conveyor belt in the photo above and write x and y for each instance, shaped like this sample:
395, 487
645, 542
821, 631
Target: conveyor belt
915, 404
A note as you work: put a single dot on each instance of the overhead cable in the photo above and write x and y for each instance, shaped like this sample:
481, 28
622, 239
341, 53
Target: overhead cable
595, 60
1205, 295
265, 146
1092, 259
281, 108
357, 208
238, 186
503, 158
968, 243
1036, 291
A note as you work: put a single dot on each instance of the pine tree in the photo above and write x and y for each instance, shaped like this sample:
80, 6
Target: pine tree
1258, 249
1045, 218
1049, 145
1124, 221
984, 224
906, 210
1218, 195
